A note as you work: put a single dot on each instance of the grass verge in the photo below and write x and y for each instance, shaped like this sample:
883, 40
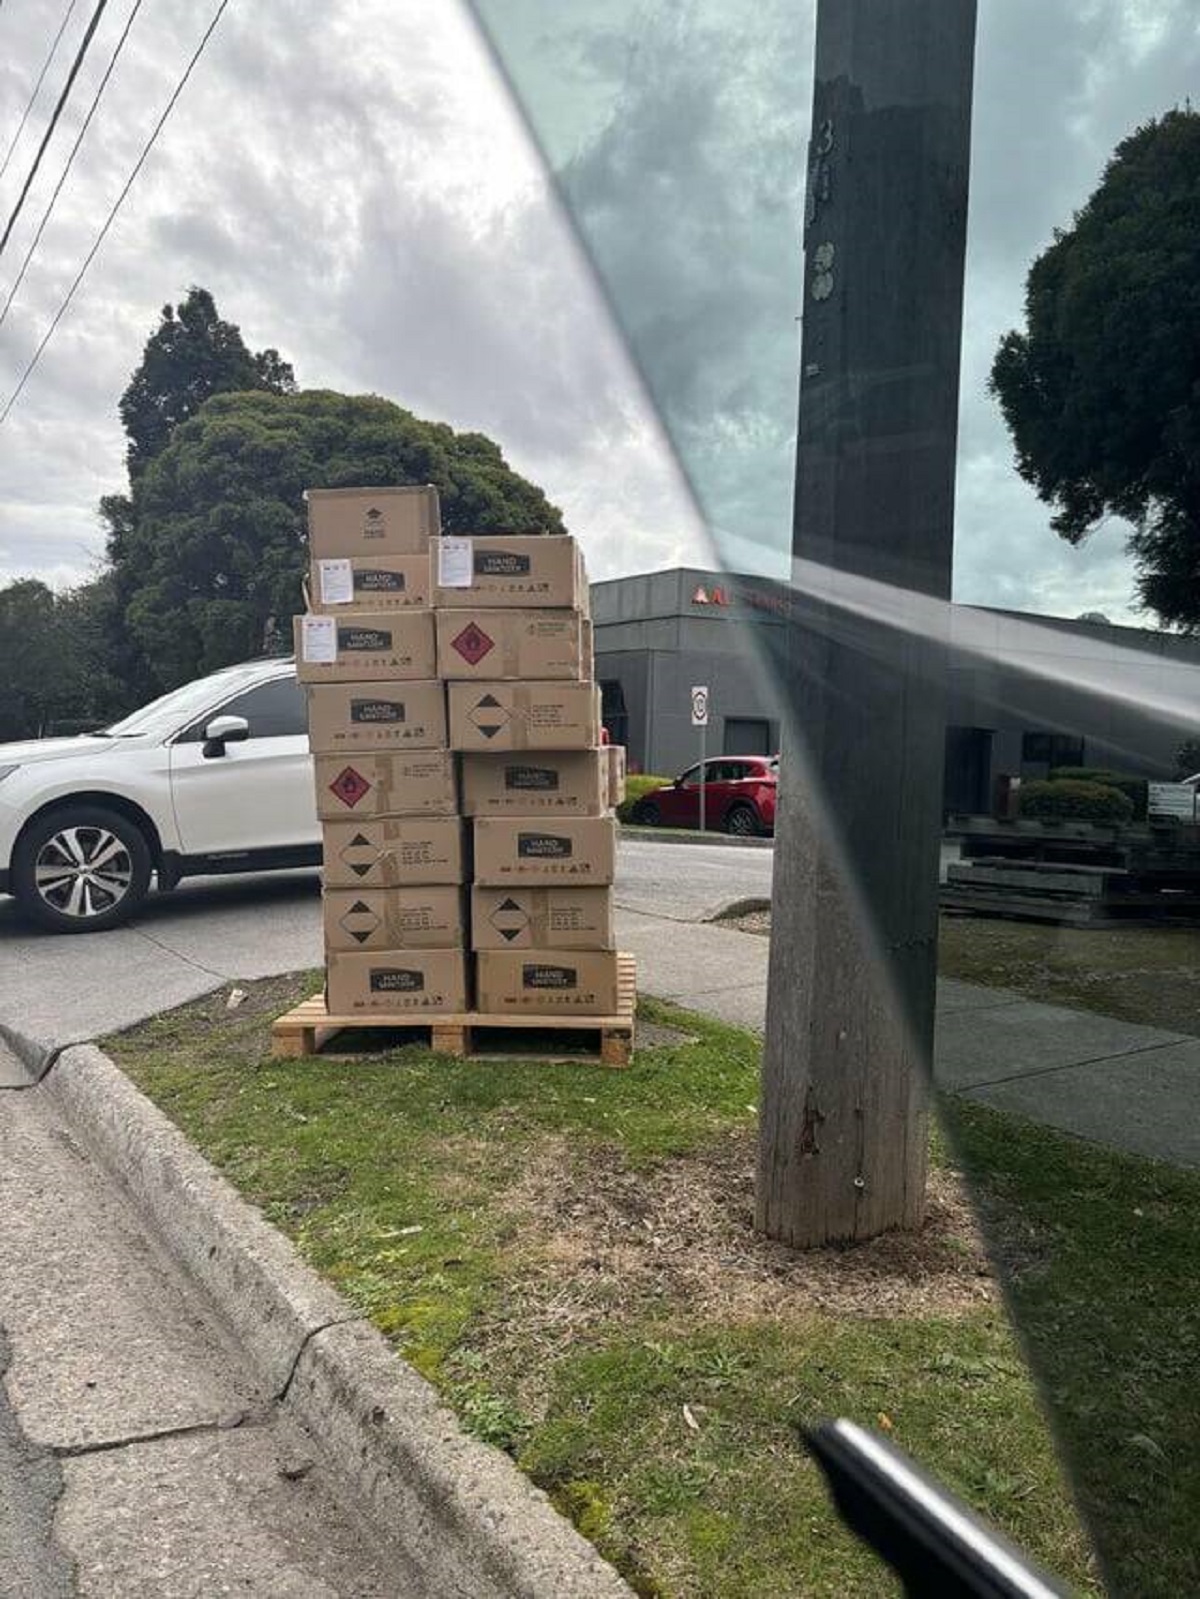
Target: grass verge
1138, 974
1148, 975
568, 1254
1101, 1255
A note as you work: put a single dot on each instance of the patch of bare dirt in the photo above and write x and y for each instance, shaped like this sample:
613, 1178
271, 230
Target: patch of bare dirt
752, 922
604, 1242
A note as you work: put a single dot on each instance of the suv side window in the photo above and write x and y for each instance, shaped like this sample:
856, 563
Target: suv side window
274, 710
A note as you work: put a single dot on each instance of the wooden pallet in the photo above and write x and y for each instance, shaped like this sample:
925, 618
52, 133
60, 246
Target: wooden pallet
309, 1027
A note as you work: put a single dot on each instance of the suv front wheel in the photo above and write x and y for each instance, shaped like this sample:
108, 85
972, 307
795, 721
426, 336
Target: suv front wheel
81, 869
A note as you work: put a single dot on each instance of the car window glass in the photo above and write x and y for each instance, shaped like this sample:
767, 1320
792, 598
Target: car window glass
163, 715
273, 710
691, 778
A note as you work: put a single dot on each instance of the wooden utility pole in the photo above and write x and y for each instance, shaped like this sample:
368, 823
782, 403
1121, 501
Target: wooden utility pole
844, 1115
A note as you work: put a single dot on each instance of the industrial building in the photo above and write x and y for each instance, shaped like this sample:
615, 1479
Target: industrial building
1015, 702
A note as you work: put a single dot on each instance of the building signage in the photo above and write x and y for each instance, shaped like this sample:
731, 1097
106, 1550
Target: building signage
1174, 801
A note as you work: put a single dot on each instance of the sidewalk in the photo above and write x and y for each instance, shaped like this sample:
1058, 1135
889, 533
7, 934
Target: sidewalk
1133, 1088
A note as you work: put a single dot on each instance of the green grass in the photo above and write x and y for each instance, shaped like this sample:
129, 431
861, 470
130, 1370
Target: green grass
1103, 1260
567, 1253
1139, 974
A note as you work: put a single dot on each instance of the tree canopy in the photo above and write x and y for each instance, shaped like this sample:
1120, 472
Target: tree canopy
209, 560
192, 355
54, 668
1101, 389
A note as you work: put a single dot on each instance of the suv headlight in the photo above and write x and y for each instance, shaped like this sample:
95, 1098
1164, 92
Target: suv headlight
7, 771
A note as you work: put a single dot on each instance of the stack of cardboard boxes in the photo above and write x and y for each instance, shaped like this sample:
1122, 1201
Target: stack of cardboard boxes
464, 793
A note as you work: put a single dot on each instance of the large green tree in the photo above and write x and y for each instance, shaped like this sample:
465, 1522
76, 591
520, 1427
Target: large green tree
1101, 389
192, 355
209, 561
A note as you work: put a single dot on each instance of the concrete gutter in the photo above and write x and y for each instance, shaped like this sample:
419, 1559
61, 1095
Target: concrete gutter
663, 835
458, 1514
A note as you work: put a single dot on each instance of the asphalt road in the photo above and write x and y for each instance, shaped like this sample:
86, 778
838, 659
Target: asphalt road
213, 930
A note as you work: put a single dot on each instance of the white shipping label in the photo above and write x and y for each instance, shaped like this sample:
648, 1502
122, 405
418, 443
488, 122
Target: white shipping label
318, 638
455, 563
336, 579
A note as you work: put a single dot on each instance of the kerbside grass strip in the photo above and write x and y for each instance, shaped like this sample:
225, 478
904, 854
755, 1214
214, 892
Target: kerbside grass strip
569, 1256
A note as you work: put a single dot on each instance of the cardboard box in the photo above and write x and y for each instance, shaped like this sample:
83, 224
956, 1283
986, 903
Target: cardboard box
371, 521
547, 982
533, 851
393, 852
500, 569
365, 647
541, 918
616, 774
524, 716
538, 645
348, 718
394, 918
378, 783
557, 783
370, 583
396, 982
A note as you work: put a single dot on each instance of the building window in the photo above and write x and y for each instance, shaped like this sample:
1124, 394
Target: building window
747, 735
1041, 753
613, 712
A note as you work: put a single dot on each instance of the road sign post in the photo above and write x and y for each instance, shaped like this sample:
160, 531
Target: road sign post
700, 720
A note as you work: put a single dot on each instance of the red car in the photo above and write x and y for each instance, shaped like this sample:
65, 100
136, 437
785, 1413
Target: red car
739, 797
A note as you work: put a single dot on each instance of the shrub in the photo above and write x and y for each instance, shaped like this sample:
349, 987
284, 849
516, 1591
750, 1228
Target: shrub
1072, 800
635, 788
1134, 788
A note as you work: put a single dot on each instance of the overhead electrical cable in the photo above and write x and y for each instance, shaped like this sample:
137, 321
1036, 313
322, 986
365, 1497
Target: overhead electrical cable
57, 112
37, 238
62, 28
111, 217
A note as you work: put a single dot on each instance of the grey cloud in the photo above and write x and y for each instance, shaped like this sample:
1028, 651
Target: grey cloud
348, 183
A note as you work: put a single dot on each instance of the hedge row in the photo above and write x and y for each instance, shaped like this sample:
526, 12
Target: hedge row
1134, 788
1070, 800
635, 788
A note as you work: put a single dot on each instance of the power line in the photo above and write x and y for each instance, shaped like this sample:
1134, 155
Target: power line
111, 218
37, 238
62, 28
57, 112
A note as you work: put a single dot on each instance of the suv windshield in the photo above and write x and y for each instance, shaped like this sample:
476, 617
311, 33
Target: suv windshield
182, 705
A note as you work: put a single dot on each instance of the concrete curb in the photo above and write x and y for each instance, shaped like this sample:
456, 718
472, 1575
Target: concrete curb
34, 1054
458, 1514
658, 835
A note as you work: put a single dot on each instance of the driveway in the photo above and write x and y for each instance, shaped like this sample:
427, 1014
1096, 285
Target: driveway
212, 931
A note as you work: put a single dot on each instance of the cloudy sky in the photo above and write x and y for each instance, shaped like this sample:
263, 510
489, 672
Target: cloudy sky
351, 181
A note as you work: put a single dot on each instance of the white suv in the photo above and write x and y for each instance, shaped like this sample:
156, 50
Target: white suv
213, 777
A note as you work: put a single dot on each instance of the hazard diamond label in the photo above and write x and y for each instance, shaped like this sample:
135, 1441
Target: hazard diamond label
350, 787
473, 644
360, 921
360, 855
509, 920
488, 715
